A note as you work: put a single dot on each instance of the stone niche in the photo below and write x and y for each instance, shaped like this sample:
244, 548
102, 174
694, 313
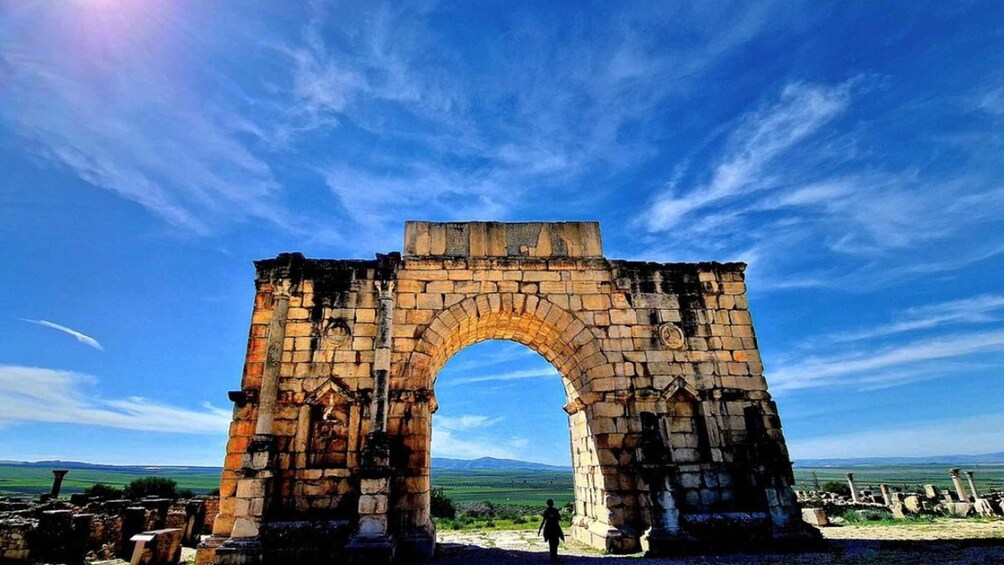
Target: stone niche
675, 440
328, 427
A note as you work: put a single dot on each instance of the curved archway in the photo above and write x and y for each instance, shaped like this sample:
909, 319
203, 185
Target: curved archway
366, 338
568, 344
553, 332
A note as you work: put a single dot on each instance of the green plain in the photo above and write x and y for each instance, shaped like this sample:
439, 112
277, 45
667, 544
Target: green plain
505, 486
499, 486
22, 480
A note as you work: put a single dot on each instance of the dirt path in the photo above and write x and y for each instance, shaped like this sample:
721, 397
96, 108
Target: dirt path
945, 541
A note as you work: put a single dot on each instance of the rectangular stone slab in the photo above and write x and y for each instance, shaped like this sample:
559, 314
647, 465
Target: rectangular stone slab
502, 239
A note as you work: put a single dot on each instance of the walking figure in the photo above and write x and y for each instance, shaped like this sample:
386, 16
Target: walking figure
551, 526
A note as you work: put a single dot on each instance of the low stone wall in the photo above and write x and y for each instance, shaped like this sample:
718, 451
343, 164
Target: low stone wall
212, 504
14, 539
59, 532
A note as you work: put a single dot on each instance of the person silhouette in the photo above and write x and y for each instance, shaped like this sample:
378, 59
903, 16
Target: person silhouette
551, 526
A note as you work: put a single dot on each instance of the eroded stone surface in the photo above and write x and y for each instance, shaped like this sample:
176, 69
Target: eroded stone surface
671, 424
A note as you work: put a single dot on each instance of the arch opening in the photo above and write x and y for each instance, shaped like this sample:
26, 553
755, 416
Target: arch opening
500, 401
572, 350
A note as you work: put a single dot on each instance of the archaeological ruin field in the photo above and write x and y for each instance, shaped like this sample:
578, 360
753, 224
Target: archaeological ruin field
498, 486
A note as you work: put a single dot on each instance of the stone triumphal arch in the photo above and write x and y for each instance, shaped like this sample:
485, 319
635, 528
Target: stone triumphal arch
675, 440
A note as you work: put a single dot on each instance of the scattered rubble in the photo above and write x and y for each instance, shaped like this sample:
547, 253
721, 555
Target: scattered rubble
819, 507
51, 530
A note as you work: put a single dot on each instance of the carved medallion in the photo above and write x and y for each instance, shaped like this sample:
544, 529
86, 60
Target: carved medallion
336, 332
671, 336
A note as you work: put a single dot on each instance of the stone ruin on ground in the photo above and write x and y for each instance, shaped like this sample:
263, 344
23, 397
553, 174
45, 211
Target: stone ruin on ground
675, 440
58, 531
955, 501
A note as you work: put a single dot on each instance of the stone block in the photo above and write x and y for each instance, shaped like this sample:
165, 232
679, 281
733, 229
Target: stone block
960, 509
373, 504
913, 504
164, 549
426, 301
985, 508
596, 302
373, 525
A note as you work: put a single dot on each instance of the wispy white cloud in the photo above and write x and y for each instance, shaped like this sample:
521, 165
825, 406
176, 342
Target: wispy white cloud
464, 422
519, 442
981, 434
446, 444
35, 394
81, 337
509, 376
760, 138
470, 436
897, 364
992, 102
976, 310
474, 148
501, 352
809, 201
112, 104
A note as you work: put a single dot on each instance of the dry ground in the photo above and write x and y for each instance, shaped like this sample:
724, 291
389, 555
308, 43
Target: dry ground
945, 541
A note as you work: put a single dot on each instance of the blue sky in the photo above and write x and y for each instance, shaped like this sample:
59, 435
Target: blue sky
849, 152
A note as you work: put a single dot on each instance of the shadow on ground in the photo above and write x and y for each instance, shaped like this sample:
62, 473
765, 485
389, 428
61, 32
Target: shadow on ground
981, 551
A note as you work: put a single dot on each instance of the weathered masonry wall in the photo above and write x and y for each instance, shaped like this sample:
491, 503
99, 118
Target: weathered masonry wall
674, 436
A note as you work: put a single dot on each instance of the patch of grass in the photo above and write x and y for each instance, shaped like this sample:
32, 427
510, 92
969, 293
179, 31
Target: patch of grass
489, 516
882, 517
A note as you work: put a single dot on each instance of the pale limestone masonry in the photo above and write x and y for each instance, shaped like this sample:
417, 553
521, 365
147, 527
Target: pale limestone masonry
674, 436
56, 531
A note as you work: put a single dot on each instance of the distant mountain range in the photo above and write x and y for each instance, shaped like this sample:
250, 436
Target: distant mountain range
57, 464
982, 459
492, 463
437, 463
495, 463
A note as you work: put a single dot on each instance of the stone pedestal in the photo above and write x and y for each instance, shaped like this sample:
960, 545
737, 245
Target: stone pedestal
54, 538
815, 517
373, 542
665, 531
205, 553
417, 544
371, 551
240, 551
659, 541
252, 488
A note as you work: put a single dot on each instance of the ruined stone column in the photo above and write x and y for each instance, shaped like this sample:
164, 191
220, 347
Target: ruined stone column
381, 362
972, 485
57, 481
854, 489
273, 358
373, 542
886, 498
959, 488
256, 466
